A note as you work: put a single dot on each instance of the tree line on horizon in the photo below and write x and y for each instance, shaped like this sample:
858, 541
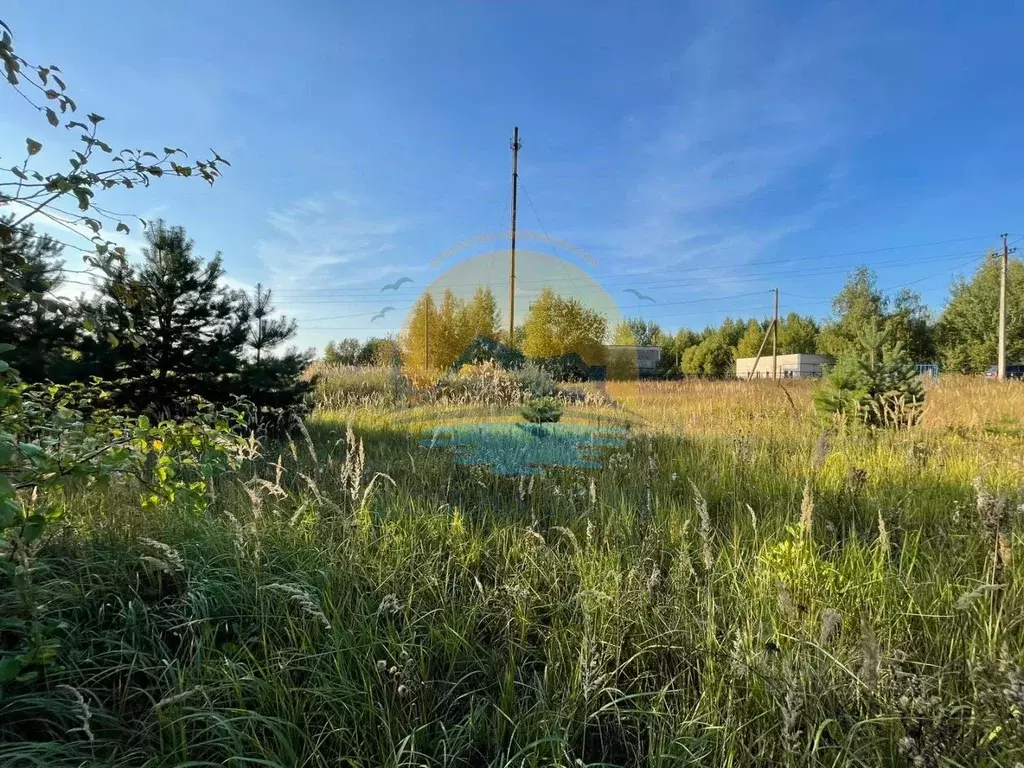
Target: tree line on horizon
962, 338
169, 328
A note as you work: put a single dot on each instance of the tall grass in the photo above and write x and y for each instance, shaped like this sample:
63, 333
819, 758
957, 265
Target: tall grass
344, 386
737, 586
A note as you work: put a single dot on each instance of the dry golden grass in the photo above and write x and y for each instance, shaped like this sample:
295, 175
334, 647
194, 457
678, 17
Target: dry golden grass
709, 407
722, 407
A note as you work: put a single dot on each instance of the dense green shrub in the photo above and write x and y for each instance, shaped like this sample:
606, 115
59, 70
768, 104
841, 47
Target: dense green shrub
483, 350
568, 367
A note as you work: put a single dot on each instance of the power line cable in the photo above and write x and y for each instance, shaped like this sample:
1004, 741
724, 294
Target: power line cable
748, 265
654, 270
732, 277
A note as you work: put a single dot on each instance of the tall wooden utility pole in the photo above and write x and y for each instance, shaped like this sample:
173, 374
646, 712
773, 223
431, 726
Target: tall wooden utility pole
775, 338
1002, 311
512, 270
426, 333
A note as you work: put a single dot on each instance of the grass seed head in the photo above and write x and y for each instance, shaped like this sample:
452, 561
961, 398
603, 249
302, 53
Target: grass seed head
830, 626
807, 508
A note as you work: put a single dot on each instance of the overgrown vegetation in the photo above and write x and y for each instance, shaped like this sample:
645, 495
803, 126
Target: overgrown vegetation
750, 593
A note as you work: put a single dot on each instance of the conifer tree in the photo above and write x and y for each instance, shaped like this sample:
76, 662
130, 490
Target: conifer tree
272, 382
168, 328
41, 329
876, 383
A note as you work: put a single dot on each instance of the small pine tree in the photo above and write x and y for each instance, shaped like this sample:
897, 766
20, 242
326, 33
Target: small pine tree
168, 328
542, 410
264, 331
875, 382
271, 382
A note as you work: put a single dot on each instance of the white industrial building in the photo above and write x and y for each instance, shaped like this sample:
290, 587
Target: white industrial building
788, 366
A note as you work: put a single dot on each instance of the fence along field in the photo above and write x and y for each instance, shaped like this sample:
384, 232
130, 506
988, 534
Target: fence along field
735, 586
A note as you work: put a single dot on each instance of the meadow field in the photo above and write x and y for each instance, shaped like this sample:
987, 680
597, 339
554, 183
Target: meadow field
737, 584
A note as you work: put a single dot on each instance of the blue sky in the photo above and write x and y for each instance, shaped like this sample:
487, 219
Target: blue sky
690, 149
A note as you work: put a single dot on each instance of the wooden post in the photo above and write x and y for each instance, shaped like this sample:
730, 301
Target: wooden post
1002, 312
512, 267
775, 338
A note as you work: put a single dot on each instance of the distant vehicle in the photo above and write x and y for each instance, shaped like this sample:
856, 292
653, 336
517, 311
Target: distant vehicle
1012, 372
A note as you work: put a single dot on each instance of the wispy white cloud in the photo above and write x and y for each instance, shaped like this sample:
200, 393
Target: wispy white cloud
328, 256
748, 148
315, 235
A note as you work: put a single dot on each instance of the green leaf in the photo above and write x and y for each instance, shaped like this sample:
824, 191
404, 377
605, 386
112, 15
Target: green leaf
8, 513
9, 668
19, 173
112, 340
5, 347
34, 453
6, 487
89, 325
83, 198
122, 227
4, 365
51, 116
33, 146
94, 118
33, 528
